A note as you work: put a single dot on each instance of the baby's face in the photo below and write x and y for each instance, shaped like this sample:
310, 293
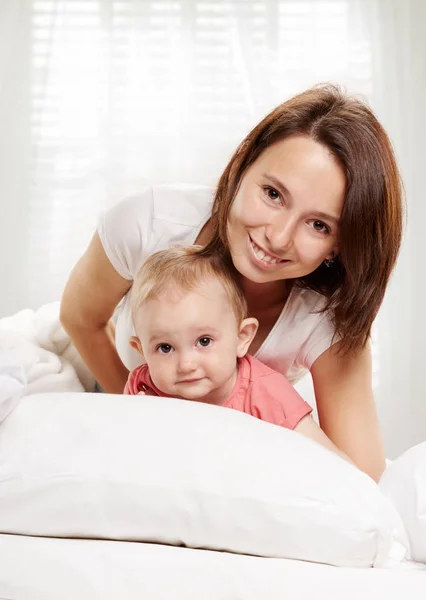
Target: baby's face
190, 342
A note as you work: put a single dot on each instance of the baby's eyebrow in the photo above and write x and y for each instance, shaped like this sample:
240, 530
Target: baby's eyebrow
159, 336
207, 330
166, 336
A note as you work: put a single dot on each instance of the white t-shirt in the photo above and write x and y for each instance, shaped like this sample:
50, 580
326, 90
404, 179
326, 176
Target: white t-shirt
165, 215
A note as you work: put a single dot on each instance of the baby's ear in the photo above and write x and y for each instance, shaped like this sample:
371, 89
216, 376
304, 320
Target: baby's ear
136, 344
248, 329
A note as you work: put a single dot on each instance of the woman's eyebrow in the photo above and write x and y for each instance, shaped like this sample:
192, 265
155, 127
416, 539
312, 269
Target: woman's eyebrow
326, 217
278, 184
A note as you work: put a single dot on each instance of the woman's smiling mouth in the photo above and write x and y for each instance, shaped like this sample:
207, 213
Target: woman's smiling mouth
262, 258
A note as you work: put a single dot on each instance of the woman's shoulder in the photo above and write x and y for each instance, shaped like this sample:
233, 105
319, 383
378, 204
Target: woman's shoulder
311, 325
304, 302
184, 204
137, 224
303, 331
180, 203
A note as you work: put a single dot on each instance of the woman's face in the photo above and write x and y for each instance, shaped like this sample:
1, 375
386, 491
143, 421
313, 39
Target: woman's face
284, 220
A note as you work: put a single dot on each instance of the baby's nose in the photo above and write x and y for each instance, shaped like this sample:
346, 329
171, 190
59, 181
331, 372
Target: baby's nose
187, 362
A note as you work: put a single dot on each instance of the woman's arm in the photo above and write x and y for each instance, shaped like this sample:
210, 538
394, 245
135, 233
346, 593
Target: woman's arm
93, 291
310, 429
346, 408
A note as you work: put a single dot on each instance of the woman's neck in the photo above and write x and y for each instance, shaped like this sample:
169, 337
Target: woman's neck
264, 296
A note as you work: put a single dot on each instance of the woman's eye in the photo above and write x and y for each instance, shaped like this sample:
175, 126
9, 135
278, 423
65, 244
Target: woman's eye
164, 348
272, 194
204, 342
320, 227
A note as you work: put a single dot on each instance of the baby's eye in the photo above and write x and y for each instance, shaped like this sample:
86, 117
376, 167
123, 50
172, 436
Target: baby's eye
204, 342
272, 193
164, 348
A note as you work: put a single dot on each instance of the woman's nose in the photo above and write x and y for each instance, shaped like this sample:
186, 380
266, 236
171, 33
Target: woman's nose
280, 233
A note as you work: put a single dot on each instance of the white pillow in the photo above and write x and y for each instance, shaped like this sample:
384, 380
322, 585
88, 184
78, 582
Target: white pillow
183, 473
404, 483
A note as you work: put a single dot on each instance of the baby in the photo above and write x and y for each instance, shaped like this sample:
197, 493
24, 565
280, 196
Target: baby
190, 317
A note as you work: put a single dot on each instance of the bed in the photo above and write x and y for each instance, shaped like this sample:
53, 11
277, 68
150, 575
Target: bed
57, 569
107, 496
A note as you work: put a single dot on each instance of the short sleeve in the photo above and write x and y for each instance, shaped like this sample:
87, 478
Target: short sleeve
274, 399
124, 231
320, 339
139, 381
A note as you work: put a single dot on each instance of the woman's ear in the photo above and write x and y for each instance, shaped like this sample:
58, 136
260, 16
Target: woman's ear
333, 254
248, 329
136, 344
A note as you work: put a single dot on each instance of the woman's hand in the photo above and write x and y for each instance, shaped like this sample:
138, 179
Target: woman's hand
346, 408
93, 291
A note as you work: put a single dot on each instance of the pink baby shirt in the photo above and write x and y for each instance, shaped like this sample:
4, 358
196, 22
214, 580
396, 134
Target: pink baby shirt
259, 391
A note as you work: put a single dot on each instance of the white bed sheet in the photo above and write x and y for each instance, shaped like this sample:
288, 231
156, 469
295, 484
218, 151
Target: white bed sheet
61, 569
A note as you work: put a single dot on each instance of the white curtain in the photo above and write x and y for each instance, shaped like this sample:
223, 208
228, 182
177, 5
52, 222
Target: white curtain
97, 96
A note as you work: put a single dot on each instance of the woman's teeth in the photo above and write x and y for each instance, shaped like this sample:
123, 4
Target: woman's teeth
266, 258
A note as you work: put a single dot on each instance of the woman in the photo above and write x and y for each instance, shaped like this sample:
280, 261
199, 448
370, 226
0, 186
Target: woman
310, 210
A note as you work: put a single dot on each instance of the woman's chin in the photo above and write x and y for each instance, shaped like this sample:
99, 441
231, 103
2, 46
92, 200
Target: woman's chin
255, 274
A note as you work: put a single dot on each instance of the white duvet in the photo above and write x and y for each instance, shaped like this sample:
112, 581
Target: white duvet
36, 343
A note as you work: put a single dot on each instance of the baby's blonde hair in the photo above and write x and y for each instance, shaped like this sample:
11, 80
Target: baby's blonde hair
185, 268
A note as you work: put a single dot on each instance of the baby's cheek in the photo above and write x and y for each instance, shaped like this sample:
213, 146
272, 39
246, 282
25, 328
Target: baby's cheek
159, 374
223, 363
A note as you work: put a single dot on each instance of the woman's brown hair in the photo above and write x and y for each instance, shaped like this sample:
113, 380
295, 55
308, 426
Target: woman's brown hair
371, 221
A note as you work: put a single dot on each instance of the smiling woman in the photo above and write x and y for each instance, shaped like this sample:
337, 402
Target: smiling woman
309, 211
320, 162
278, 217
